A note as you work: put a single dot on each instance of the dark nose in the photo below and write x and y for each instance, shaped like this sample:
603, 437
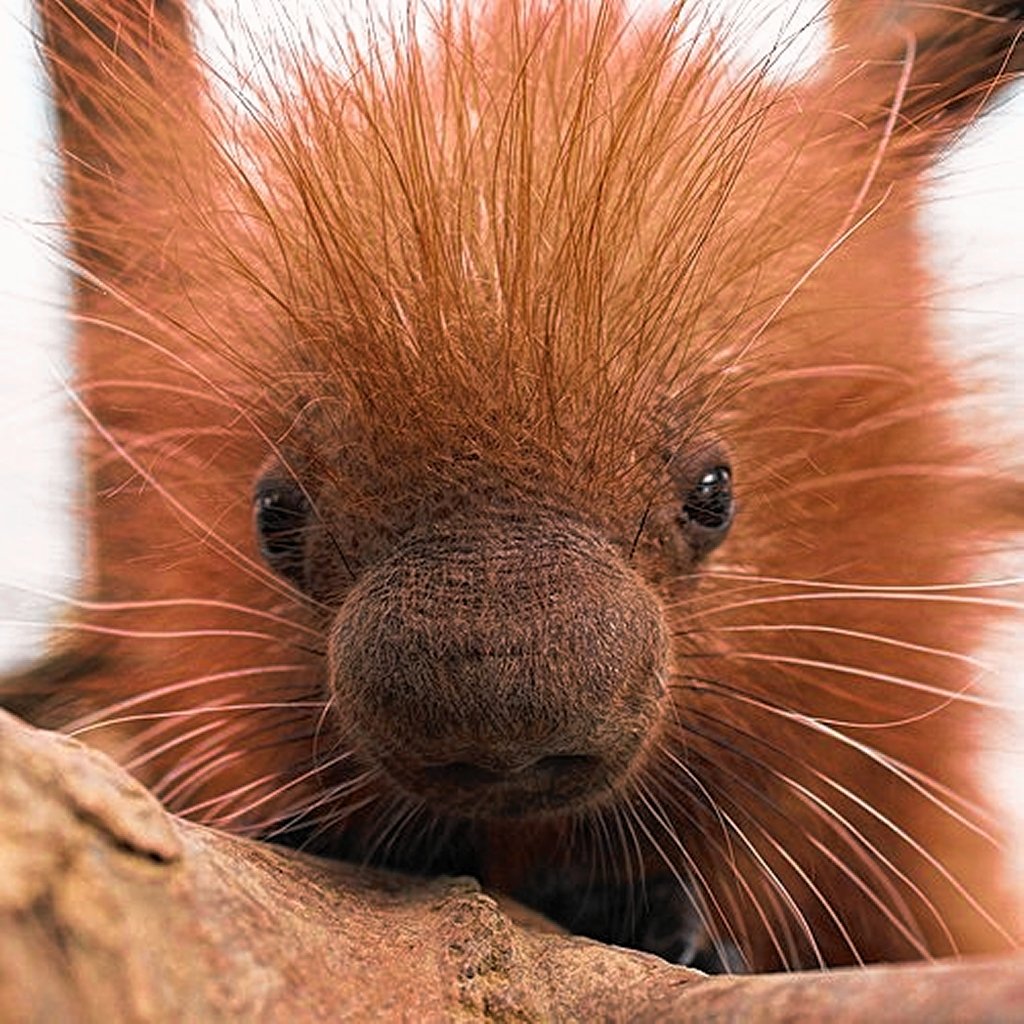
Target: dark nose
501, 666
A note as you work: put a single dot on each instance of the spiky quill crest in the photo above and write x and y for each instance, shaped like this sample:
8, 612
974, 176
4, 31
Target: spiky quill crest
547, 258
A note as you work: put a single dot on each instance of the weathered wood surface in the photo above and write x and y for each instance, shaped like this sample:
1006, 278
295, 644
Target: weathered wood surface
111, 910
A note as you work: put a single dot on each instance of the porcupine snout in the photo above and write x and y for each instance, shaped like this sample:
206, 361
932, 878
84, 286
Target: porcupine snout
501, 666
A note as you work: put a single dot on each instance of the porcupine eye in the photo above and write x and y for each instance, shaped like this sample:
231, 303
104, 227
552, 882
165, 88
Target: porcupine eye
708, 509
281, 515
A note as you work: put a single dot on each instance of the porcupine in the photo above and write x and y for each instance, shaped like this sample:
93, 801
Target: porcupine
518, 449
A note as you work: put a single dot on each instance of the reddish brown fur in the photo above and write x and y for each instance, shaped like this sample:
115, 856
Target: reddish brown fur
510, 289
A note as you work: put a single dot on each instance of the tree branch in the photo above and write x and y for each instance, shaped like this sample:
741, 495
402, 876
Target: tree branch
112, 910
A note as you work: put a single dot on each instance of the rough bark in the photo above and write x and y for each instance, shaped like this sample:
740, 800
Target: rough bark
111, 910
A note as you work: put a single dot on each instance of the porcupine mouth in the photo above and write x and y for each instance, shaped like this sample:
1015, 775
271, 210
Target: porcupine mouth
509, 784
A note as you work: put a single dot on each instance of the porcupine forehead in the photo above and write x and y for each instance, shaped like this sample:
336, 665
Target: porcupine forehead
524, 246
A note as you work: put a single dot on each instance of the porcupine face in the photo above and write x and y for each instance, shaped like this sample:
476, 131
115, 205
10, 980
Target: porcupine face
497, 653
501, 467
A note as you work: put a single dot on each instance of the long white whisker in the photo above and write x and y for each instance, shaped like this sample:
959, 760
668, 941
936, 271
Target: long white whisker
891, 764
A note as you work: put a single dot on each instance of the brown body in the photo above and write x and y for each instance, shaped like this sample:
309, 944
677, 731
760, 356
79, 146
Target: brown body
480, 319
